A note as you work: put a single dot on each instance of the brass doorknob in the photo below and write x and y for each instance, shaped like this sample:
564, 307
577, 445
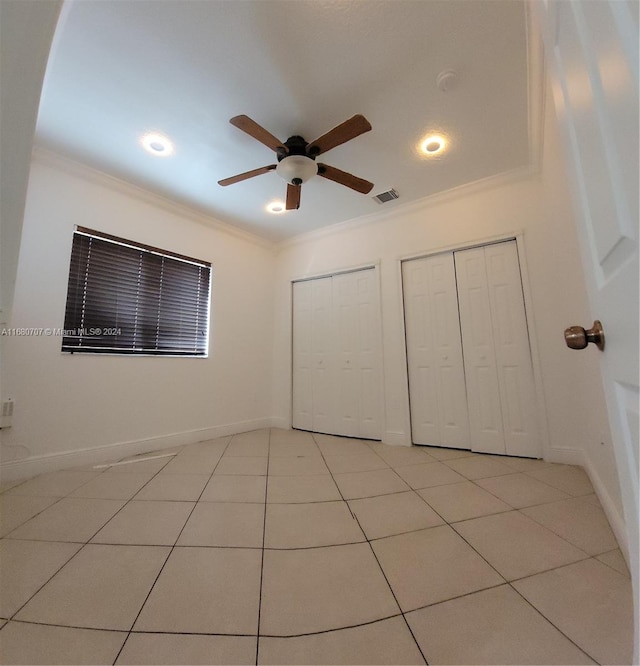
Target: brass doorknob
577, 338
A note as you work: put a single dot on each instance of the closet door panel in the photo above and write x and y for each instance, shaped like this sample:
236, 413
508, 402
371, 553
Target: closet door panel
512, 348
483, 392
303, 361
337, 355
369, 360
322, 345
347, 387
452, 403
423, 382
436, 374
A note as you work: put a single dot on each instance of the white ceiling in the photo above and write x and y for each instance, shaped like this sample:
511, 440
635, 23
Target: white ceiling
185, 67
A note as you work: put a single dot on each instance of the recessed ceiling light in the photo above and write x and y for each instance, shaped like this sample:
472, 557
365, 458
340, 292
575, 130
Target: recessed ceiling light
157, 144
433, 145
276, 207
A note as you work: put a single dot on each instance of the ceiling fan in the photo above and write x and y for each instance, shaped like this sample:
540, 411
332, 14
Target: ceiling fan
296, 157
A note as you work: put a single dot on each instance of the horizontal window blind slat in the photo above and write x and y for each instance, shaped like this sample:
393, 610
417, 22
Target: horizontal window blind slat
156, 304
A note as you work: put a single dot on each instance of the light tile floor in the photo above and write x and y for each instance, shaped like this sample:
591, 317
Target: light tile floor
282, 547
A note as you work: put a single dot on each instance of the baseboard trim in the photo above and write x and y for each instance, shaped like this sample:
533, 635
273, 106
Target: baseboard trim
394, 438
280, 422
569, 456
615, 518
28, 467
564, 456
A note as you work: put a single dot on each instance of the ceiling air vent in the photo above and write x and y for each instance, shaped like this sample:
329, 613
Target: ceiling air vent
384, 197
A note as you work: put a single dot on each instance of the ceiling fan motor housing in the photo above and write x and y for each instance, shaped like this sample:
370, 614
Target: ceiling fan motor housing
296, 157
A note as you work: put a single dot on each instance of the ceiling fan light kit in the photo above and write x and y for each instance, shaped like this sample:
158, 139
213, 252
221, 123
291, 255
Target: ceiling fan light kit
296, 169
296, 157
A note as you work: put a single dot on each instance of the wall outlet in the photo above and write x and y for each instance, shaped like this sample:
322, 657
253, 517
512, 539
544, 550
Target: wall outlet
6, 414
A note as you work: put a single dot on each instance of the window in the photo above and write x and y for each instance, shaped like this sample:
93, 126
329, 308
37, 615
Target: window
127, 298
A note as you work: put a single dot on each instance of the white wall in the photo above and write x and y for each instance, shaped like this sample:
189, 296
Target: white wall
538, 206
67, 403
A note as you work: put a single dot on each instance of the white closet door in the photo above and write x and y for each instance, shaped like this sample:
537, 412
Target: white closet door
322, 353
513, 350
436, 373
483, 391
369, 352
337, 355
347, 385
497, 353
303, 362
358, 358
312, 356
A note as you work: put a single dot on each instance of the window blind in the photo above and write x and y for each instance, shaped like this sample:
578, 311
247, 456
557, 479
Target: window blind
127, 298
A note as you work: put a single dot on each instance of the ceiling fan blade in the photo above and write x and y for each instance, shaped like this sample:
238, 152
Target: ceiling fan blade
246, 174
344, 132
259, 133
344, 178
293, 196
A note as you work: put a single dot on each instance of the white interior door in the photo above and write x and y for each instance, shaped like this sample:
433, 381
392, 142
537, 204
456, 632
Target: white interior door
434, 353
593, 52
337, 355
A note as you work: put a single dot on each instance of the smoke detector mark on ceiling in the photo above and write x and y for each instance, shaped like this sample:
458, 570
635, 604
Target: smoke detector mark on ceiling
384, 197
447, 80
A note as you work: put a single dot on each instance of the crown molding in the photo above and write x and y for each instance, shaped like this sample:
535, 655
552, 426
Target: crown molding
73, 167
468, 189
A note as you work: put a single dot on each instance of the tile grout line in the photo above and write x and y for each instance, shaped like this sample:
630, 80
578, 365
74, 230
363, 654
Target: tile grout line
544, 617
68, 496
83, 544
37, 476
330, 631
507, 582
451, 527
171, 549
402, 613
133, 631
597, 558
393, 594
520, 511
264, 533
